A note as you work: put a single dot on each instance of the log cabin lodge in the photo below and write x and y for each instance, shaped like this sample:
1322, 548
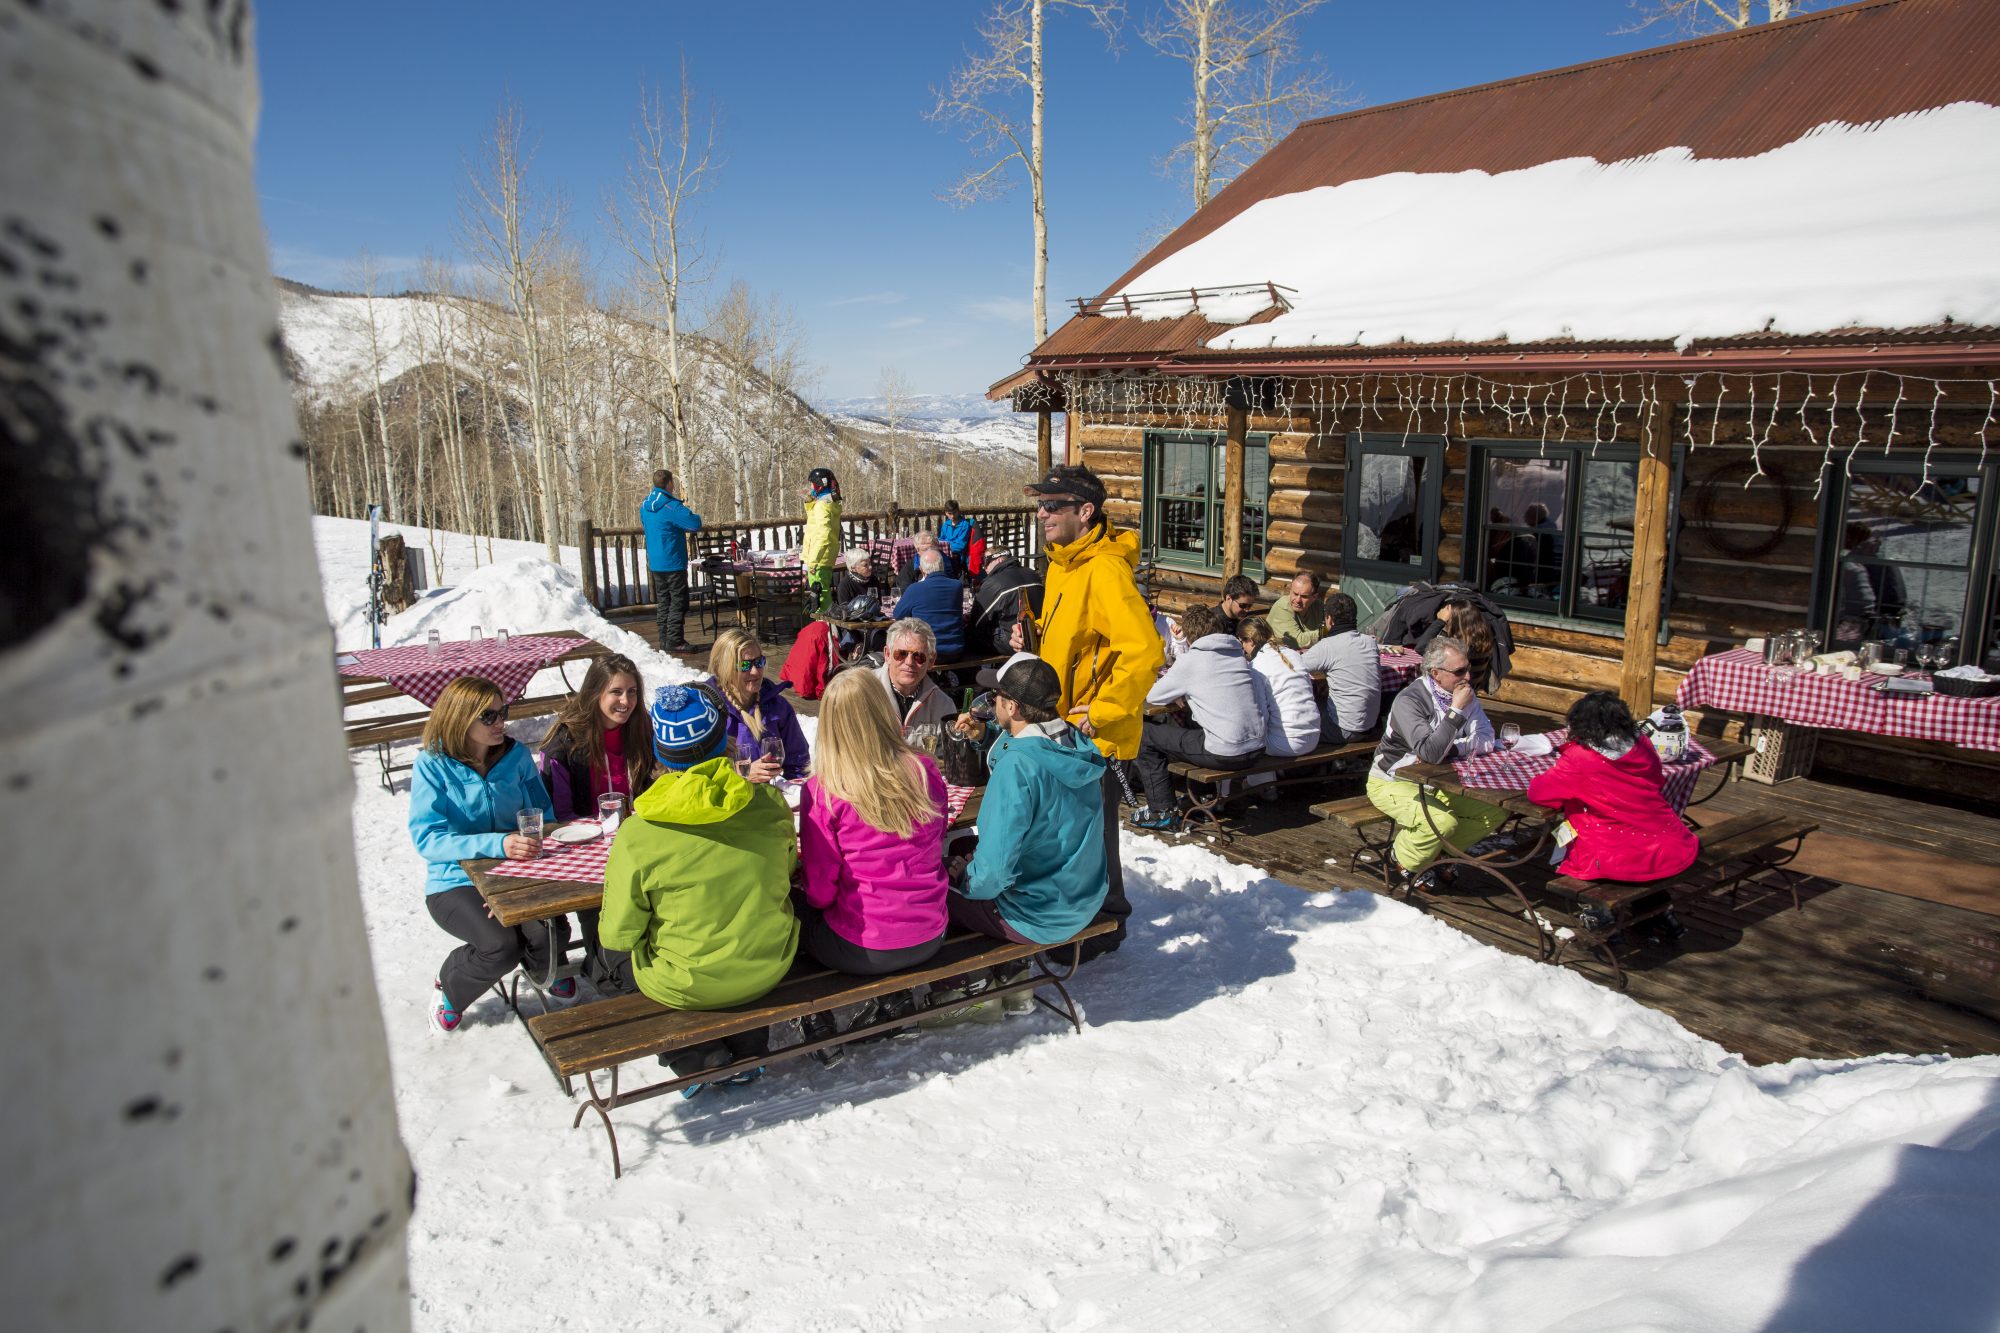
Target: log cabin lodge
1652, 350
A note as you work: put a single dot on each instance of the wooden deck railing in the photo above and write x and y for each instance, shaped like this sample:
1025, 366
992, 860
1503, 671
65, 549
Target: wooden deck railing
616, 575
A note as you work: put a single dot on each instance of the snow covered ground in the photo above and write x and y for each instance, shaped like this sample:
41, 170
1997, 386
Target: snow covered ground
1288, 1110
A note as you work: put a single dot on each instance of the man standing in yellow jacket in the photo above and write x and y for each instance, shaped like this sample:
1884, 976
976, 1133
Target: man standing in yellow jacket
1096, 632
822, 538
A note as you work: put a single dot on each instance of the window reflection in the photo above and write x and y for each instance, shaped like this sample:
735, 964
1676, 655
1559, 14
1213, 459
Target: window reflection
1527, 501
1390, 528
1905, 549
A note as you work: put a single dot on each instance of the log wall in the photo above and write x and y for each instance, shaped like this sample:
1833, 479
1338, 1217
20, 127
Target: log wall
1744, 550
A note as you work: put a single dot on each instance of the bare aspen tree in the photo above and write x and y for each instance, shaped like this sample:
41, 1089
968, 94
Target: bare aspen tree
365, 278
980, 96
1695, 17
673, 156
894, 391
512, 234
736, 331
1251, 85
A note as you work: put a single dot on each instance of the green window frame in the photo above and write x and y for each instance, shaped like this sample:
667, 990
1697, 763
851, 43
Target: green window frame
1577, 553
1394, 485
1183, 521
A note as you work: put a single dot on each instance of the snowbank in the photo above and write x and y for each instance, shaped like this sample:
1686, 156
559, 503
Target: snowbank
1287, 1110
1888, 225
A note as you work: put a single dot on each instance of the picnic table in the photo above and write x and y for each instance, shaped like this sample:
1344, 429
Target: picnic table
1739, 681
372, 675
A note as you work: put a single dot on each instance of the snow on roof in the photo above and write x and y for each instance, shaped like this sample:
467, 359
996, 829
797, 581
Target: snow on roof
1889, 225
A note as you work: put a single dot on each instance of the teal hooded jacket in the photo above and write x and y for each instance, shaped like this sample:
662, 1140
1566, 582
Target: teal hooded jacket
1041, 836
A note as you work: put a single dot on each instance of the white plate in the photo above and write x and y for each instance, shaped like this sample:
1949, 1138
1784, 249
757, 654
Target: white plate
570, 835
1886, 668
1532, 746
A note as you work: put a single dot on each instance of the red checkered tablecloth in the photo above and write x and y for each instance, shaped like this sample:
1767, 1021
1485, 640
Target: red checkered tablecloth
1738, 681
584, 863
1399, 667
1505, 770
413, 670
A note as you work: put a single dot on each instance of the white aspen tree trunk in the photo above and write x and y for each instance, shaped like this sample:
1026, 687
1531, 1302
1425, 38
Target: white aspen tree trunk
1204, 121
1039, 205
214, 1143
390, 508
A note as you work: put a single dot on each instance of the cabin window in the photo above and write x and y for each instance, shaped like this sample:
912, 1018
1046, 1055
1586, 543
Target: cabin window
1909, 558
1391, 528
1549, 528
1185, 477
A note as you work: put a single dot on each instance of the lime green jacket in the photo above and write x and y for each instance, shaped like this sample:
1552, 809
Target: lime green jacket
822, 544
698, 888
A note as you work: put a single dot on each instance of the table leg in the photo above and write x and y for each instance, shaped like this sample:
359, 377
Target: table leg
1495, 865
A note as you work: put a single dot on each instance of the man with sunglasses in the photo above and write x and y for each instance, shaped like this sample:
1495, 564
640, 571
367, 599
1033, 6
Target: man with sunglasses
907, 658
1436, 718
1098, 634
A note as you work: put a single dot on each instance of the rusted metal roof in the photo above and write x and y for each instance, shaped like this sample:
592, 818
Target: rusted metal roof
1732, 95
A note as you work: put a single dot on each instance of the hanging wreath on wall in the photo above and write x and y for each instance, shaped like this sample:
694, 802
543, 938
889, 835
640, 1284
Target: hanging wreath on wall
1731, 542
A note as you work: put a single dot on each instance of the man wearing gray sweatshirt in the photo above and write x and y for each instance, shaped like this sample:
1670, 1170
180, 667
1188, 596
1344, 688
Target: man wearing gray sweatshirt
1231, 709
1351, 662
1436, 719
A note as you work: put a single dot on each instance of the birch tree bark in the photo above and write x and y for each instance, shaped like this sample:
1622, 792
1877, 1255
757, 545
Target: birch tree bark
1695, 17
980, 97
216, 1144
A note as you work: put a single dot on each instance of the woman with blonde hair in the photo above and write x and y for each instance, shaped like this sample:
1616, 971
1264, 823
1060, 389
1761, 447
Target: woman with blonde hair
468, 786
1291, 724
757, 707
871, 843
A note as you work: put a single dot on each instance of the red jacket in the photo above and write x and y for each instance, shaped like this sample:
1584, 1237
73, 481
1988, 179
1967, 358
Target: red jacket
1625, 828
810, 661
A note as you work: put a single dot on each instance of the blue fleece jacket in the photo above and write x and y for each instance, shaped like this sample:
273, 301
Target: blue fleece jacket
1041, 833
958, 536
666, 519
457, 815
939, 601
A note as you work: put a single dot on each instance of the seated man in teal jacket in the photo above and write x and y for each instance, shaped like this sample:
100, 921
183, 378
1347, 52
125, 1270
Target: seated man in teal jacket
1038, 876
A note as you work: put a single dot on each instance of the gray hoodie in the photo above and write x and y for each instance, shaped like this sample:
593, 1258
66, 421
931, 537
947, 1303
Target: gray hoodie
1230, 702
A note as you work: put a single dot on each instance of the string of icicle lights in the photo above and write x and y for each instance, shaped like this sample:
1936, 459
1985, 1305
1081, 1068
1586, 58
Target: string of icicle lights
1831, 409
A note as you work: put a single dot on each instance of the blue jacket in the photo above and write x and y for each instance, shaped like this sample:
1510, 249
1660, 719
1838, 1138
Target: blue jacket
958, 536
939, 601
1041, 834
456, 815
665, 519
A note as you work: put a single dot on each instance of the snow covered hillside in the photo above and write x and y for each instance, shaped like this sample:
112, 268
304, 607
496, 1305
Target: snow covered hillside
1287, 1110
965, 420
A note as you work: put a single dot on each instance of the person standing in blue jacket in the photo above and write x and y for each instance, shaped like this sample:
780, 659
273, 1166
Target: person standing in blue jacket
955, 536
667, 522
1038, 874
469, 784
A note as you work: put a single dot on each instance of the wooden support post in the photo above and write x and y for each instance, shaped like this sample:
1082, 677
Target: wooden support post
586, 561
1238, 426
1649, 559
1044, 431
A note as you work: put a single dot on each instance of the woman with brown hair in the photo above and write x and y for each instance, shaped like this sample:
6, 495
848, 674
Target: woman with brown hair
1461, 620
600, 744
757, 708
468, 786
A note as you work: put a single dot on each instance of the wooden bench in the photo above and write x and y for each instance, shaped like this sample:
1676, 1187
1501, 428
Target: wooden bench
591, 1039
1288, 769
1733, 853
1370, 826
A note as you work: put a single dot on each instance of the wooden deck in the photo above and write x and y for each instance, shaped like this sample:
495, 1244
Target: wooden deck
1859, 972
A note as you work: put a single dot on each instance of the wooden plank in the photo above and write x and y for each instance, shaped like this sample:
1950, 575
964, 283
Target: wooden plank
1650, 507
1236, 424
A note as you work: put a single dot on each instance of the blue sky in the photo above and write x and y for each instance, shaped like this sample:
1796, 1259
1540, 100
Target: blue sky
828, 196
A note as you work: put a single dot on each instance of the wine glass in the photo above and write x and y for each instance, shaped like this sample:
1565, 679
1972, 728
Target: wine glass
1510, 735
773, 748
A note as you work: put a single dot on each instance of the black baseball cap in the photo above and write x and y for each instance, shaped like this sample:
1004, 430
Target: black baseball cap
1072, 480
1026, 678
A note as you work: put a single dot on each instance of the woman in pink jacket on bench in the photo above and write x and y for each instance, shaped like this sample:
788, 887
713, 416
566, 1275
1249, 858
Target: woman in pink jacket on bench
871, 845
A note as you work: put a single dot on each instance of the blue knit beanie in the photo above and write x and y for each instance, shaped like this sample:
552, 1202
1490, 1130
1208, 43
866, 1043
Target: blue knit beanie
687, 726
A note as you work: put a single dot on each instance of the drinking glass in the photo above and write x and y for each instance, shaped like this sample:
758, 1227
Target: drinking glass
773, 747
500, 636
610, 811
529, 822
1510, 735
433, 643
476, 635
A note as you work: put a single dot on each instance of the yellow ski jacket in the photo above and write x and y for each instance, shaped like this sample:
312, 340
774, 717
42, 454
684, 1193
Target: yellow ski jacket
1096, 632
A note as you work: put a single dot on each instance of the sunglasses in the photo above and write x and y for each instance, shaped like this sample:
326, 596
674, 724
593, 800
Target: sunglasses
749, 663
908, 655
1056, 506
492, 717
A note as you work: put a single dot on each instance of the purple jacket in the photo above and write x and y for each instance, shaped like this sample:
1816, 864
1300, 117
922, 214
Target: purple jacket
780, 719
876, 890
